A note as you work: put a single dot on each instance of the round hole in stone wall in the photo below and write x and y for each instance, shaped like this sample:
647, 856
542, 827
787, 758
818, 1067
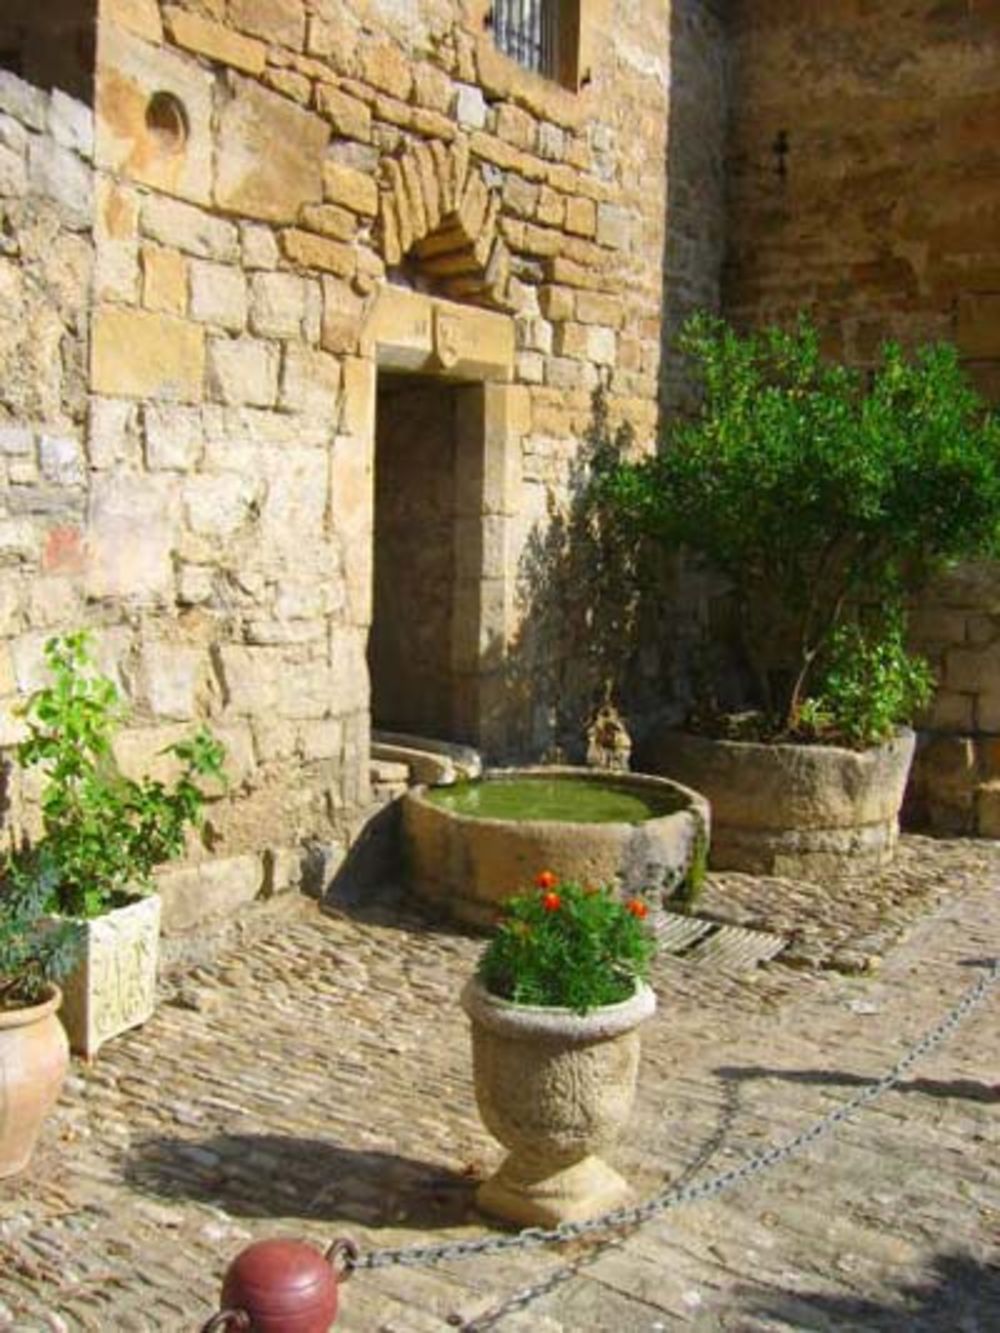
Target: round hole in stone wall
167, 122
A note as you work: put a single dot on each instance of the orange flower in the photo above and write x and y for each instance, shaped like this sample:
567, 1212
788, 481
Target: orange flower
552, 902
545, 879
637, 907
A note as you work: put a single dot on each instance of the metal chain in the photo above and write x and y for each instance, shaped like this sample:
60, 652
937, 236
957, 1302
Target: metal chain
413, 1256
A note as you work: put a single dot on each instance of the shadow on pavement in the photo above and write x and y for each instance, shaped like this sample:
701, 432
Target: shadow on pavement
271, 1175
961, 1294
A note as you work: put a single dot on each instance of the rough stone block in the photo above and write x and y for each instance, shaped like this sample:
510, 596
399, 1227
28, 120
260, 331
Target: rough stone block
614, 226
173, 223
131, 522
139, 16
218, 295
173, 437
130, 72
260, 247
386, 67
277, 304
340, 224
194, 895
217, 506
13, 173
973, 669
116, 272
353, 189
139, 354
581, 217
171, 677
243, 371
58, 174
272, 185
218, 43
61, 460
310, 383
318, 252
470, 106
346, 114
280, 21
23, 100
71, 123
164, 280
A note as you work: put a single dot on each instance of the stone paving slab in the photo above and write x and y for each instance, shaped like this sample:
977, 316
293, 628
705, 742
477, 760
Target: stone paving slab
316, 1082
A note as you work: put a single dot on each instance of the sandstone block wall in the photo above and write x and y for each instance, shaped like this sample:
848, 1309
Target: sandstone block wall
862, 171
199, 451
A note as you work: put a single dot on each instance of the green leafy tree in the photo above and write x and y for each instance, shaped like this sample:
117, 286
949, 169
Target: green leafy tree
813, 487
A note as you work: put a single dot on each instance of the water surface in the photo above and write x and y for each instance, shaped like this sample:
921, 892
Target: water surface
571, 800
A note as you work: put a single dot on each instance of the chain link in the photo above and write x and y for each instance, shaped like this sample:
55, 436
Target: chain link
414, 1256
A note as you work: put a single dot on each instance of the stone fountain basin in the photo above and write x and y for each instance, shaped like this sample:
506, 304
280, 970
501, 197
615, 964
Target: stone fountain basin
467, 864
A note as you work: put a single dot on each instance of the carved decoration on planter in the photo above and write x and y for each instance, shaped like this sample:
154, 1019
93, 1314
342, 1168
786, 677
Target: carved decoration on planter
436, 209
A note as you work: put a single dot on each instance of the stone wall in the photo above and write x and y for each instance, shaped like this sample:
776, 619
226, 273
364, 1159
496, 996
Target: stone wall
266, 174
862, 175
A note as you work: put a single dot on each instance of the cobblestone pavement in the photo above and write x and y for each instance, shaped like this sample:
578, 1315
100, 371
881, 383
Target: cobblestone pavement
316, 1082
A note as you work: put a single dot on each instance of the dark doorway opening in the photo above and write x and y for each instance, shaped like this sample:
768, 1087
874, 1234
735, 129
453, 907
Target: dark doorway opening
411, 655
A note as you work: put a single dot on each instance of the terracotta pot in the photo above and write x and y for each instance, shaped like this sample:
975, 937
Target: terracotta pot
556, 1088
34, 1057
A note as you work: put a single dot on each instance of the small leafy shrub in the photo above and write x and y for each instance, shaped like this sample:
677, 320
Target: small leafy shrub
103, 833
33, 952
868, 684
568, 946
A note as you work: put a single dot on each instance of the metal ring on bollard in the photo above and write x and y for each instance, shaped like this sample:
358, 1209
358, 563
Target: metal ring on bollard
343, 1246
228, 1321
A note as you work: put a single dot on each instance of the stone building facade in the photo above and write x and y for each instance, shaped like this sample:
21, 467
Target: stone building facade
302, 307
304, 304
862, 172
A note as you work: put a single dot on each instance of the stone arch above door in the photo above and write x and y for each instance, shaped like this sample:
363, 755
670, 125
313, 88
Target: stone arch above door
438, 211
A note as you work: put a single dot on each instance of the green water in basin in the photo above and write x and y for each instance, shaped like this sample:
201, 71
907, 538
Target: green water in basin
571, 800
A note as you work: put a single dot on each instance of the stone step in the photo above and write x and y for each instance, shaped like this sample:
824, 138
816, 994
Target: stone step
386, 771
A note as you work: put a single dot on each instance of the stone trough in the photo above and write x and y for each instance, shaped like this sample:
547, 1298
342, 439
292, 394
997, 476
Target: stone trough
467, 863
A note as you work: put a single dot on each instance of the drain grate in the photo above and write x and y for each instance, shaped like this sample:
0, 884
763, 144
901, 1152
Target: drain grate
697, 940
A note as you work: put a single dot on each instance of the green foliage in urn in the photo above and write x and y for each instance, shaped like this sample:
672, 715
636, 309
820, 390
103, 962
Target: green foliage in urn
815, 489
103, 832
568, 946
34, 951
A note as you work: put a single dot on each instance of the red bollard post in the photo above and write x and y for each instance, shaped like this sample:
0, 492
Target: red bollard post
281, 1286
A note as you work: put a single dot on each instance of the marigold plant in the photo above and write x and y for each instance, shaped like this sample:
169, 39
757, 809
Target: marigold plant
569, 946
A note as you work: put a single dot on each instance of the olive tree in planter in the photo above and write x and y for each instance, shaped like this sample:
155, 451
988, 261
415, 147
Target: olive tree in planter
102, 836
34, 1053
825, 496
555, 1009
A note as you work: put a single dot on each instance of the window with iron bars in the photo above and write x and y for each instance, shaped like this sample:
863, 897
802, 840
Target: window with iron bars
534, 33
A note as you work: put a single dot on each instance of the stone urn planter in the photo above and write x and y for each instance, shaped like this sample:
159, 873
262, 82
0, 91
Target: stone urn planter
556, 1088
113, 986
34, 1057
796, 810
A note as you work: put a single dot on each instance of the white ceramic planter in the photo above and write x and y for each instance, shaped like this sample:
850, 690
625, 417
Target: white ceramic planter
556, 1088
113, 986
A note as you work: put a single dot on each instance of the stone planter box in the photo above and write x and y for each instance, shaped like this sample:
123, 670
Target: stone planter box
113, 986
467, 864
797, 810
556, 1088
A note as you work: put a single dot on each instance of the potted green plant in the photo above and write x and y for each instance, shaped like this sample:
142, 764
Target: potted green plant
824, 496
555, 1008
102, 835
34, 1053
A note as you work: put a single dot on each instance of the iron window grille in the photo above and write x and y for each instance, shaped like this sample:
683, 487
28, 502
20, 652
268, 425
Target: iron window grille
529, 31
